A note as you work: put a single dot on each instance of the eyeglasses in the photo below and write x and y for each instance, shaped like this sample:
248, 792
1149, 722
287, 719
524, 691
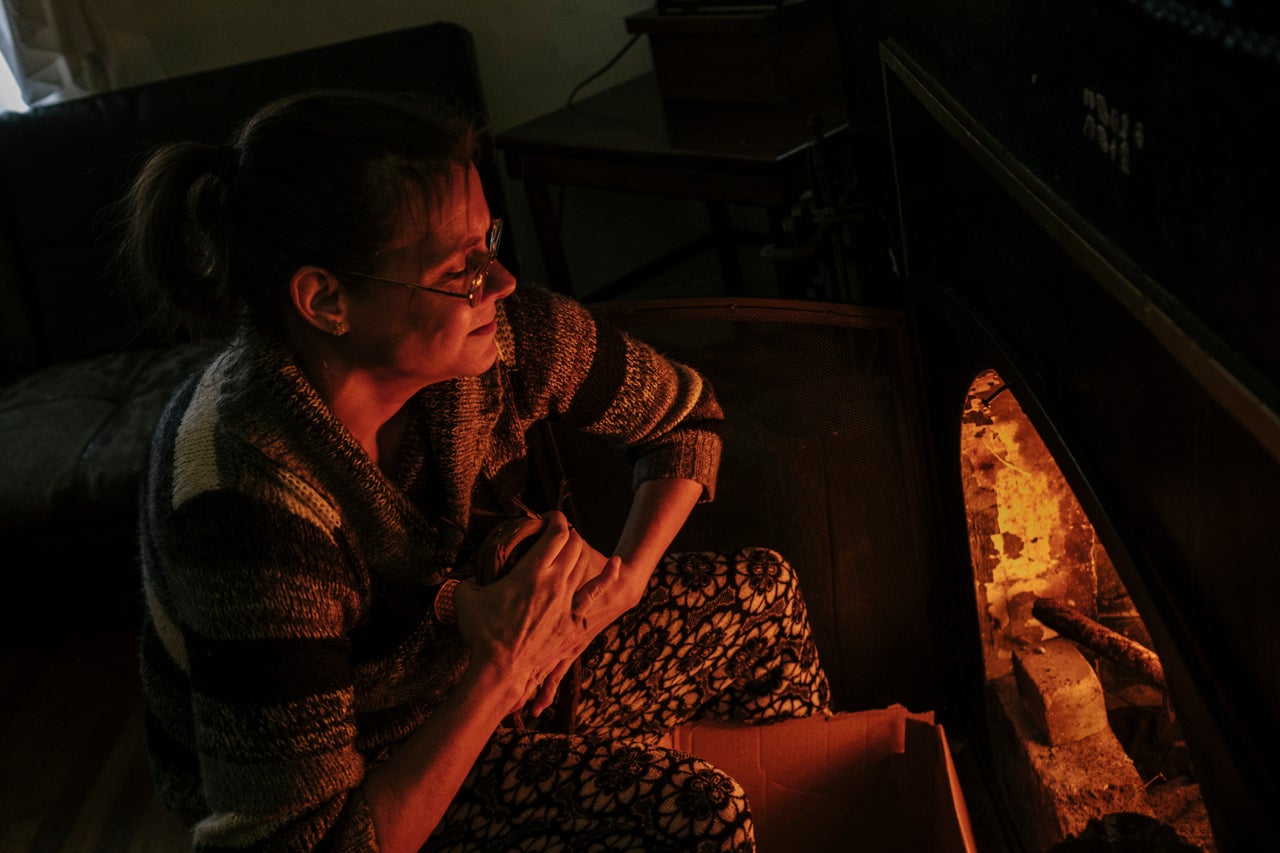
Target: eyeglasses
474, 283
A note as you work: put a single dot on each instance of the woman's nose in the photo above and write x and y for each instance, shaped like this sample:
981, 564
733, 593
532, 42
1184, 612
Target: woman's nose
499, 282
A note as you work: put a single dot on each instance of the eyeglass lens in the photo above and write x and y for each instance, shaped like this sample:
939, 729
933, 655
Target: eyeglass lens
482, 272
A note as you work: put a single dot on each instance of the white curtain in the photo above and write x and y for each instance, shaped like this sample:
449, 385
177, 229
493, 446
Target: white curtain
60, 49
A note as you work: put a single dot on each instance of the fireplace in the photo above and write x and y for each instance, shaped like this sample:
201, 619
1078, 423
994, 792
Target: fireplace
1046, 276
1082, 720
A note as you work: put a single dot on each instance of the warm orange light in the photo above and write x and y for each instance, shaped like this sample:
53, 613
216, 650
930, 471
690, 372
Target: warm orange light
1028, 535
1029, 540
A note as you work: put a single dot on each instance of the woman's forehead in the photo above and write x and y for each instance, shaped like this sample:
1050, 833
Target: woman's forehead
456, 222
464, 212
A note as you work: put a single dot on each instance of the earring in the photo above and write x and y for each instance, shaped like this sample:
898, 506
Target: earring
339, 329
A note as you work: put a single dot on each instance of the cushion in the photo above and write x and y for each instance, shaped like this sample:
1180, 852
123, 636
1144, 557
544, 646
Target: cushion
76, 433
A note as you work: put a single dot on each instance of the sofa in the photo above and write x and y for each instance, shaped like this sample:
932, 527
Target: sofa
84, 372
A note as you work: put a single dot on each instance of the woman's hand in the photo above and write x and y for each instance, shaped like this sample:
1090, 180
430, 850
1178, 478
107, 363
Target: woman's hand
531, 624
597, 602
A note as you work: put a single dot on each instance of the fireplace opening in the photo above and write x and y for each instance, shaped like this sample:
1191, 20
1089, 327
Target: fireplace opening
1082, 725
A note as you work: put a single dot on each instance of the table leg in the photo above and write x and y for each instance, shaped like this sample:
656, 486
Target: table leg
547, 225
791, 275
726, 248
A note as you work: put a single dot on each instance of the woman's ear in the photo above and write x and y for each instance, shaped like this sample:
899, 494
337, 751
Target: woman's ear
320, 299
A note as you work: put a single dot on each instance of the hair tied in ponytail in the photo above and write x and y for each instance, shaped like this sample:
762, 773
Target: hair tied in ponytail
226, 162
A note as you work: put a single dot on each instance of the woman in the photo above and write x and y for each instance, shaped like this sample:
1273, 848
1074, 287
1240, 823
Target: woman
321, 667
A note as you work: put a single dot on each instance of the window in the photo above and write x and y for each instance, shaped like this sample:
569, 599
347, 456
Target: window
10, 92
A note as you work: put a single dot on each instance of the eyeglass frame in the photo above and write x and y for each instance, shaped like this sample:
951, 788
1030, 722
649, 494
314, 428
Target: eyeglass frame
478, 278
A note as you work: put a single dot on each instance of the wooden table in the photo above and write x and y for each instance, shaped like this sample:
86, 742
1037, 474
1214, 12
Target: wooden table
629, 139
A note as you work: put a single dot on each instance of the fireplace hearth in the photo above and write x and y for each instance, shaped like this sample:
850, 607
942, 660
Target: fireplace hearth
1123, 311
1082, 723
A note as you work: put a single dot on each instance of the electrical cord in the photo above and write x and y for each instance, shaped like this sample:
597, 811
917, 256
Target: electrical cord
612, 62
576, 89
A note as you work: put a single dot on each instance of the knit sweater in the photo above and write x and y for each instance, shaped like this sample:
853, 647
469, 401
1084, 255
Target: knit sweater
289, 641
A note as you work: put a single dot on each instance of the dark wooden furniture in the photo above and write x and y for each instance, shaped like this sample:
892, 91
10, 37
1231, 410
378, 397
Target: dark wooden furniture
822, 462
630, 139
756, 55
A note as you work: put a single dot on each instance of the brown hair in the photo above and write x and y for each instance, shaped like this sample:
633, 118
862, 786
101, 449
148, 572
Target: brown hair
317, 178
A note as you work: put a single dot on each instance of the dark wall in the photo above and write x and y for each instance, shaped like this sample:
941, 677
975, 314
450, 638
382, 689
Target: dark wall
72, 161
1194, 200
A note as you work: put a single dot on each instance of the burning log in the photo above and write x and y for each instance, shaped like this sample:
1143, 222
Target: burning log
1100, 639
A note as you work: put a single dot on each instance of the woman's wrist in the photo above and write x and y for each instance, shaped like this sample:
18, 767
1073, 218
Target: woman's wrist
487, 676
633, 580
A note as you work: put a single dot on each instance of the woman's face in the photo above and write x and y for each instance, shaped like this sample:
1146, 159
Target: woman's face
405, 335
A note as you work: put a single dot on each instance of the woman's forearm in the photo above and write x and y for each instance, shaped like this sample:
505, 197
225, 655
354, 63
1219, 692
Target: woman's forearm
658, 511
410, 791
516, 629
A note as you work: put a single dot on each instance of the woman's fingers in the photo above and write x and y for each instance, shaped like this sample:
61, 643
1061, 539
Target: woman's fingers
550, 544
531, 622
590, 592
547, 693
585, 621
531, 692
590, 564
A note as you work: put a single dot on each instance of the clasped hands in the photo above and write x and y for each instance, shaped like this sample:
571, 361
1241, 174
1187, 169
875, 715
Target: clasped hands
540, 616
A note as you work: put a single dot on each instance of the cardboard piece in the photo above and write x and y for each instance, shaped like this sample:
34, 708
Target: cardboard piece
872, 780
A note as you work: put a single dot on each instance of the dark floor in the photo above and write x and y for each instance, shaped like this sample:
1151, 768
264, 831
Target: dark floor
75, 776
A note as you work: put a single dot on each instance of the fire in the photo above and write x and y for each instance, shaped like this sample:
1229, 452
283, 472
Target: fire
1029, 536
1031, 541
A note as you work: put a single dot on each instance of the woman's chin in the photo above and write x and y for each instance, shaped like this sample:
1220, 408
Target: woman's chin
485, 360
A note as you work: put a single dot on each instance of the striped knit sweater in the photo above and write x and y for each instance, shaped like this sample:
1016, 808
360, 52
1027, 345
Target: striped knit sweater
289, 643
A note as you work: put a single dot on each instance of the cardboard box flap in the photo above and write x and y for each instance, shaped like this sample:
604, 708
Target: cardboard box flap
872, 780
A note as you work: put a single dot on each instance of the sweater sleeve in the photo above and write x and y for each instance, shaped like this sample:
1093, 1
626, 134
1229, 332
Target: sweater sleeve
590, 375
260, 609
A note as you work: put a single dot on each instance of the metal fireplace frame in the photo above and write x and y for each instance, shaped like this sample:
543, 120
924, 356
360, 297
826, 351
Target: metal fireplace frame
1002, 272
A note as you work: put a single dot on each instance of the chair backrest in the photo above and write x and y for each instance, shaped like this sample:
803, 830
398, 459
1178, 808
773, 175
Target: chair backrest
823, 462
